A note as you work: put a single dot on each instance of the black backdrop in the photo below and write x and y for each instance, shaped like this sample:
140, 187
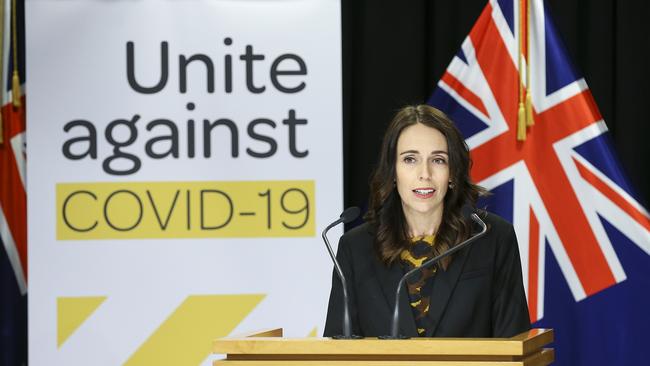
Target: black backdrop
394, 52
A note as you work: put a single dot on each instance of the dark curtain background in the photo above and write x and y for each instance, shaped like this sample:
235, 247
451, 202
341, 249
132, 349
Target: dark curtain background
394, 52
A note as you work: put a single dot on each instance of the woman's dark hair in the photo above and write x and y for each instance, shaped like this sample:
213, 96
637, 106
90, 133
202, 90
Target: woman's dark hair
385, 208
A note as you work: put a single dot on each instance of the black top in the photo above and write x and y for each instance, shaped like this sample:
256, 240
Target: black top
479, 295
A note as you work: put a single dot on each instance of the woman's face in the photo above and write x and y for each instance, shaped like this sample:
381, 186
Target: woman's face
422, 170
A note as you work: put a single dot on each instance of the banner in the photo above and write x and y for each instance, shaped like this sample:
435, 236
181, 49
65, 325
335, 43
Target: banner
183, 158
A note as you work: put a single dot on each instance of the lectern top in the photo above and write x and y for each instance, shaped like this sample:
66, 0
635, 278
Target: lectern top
518, 345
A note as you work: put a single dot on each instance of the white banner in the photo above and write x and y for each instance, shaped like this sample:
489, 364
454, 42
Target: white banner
183, 157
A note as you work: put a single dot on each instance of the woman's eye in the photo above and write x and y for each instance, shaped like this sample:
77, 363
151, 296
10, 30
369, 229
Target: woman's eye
439, 161
409, 159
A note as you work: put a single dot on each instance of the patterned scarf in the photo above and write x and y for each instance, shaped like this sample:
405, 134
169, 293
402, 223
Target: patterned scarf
419, 286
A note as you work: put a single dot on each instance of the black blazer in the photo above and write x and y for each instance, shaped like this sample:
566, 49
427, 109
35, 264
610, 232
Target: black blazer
479, 295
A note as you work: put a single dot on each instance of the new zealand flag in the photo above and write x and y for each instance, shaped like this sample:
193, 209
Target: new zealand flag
13, 211
584, 238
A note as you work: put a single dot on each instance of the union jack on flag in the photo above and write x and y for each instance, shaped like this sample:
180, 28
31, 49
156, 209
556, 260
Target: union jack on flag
584, 239
13, 203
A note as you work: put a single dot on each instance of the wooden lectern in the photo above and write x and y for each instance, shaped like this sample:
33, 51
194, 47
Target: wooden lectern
269, 348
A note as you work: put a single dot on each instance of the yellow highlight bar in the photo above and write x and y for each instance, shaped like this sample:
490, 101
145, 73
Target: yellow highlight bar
139, 210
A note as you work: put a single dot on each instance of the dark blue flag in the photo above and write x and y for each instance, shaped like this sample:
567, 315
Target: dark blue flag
13, 213
540, 145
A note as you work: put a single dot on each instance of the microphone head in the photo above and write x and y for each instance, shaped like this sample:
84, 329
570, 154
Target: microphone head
478, 220
350, 214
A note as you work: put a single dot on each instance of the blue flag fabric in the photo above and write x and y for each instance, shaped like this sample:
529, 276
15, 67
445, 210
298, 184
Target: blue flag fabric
584, 237
13, 316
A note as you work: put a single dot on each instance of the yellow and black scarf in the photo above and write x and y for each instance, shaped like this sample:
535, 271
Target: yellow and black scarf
419, 286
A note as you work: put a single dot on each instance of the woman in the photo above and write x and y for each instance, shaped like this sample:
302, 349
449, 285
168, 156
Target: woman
418, 192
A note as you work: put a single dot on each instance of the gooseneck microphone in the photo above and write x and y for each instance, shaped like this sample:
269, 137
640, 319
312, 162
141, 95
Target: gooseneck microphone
347, 216
394, 333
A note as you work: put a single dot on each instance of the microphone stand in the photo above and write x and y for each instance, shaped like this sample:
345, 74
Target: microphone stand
347, 216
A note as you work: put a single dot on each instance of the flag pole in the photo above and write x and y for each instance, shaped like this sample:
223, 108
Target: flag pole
529, 100
15, 82
2, 66
521, 113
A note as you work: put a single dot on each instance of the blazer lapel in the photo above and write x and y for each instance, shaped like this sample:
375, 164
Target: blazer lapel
388, 279
443, 286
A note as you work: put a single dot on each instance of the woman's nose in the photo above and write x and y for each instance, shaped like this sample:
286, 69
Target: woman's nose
425, 172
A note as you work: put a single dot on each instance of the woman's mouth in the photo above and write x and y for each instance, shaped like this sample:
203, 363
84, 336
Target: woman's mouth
424, 193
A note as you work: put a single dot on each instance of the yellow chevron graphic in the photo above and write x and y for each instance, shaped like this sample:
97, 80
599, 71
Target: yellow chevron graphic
72, 312
185, 338
313, 333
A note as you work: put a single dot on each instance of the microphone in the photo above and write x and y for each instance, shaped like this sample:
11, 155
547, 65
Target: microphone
394, 333
347, 216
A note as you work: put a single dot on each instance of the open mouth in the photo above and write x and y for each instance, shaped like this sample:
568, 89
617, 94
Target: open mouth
424, 192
